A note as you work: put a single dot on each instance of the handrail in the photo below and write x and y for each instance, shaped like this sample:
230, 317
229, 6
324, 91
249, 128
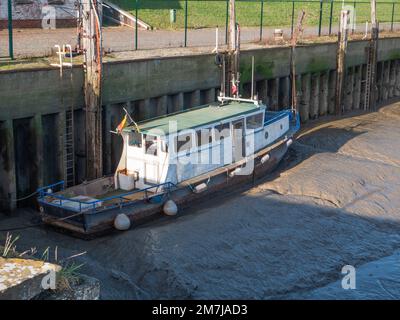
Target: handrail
51, 186
93, 203
129, 193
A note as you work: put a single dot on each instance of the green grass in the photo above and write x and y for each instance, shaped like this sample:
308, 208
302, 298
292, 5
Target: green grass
211, 13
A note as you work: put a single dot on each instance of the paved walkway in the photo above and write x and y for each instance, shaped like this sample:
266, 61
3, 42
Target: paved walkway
39, 42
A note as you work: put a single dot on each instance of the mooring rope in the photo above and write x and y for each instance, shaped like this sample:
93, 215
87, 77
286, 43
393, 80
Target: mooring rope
40, 223
20, 199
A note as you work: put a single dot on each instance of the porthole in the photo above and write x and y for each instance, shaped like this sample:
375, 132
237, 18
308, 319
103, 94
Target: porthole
281, 126
266, 135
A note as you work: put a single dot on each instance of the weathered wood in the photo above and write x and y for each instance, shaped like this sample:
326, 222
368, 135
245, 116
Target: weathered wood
340, 60
357, 87
8, 188
38, 160
371, 88
92, 45
304, 103
295, 37
324, 93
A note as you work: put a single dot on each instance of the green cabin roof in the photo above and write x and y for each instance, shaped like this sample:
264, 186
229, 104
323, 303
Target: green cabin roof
196, 117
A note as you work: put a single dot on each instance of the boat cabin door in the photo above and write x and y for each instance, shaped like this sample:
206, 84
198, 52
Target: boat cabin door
152, 163
238, 140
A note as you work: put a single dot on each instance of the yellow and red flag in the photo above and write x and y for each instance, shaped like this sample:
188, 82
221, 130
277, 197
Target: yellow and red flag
122, 125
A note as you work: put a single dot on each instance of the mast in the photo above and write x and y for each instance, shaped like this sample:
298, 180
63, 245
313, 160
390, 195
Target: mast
232, 26
229, 62
233, 53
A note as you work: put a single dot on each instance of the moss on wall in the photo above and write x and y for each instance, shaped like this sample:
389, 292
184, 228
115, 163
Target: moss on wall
262, 70
394, 54
317, 64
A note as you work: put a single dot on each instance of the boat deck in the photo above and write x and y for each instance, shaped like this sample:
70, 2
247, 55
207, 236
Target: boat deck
112, 197
98, 195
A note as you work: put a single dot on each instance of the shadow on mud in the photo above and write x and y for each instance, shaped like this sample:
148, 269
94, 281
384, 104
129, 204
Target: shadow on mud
256, 246
324, 140
253, 246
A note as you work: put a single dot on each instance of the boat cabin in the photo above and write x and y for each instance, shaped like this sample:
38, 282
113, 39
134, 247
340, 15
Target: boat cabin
187, 144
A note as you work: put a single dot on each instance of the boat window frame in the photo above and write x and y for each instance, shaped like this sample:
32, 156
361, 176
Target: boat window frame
252, 115
129, 140
144, 146
193, 146
196, 148
219, 141
209, 144
164, 146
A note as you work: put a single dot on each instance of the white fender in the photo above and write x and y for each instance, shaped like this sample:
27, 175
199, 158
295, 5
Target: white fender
170, 208
122, 222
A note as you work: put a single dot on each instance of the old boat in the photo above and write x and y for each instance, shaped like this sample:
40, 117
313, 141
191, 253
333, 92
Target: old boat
182, 157
179, 157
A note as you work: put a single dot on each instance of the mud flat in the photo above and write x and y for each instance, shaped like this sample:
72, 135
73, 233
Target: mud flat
334, 202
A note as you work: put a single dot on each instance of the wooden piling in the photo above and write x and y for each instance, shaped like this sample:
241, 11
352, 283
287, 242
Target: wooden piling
340, 60
92, 45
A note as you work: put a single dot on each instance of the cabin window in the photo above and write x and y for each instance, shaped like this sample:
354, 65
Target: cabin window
135, 139
150, 145
204, 136
19, 2
222, 131
55, 2
164, 146
255, 121
183, 142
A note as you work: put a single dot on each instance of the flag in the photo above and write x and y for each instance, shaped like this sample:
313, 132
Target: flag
234, 88
122, 125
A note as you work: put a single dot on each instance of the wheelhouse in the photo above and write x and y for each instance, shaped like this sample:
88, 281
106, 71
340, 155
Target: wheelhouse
180, 146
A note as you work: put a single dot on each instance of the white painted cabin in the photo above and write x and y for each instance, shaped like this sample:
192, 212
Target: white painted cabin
181, 146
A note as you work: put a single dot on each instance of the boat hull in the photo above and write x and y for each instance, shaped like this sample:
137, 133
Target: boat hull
88, 225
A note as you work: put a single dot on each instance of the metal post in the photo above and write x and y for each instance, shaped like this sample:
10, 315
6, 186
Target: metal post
136, 24
330, 18
391, 26
261, 19
226, 21
353, 27
10, 31
252, 77
320, 18
186, 21
291, 32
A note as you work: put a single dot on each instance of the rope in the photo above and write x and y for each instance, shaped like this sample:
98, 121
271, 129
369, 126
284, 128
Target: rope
20, 199
41, 223
193, 189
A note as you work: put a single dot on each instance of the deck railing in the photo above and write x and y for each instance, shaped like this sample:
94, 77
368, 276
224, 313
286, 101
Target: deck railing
91, 206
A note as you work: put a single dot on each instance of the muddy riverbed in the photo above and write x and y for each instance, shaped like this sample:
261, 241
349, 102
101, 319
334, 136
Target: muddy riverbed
334, 201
